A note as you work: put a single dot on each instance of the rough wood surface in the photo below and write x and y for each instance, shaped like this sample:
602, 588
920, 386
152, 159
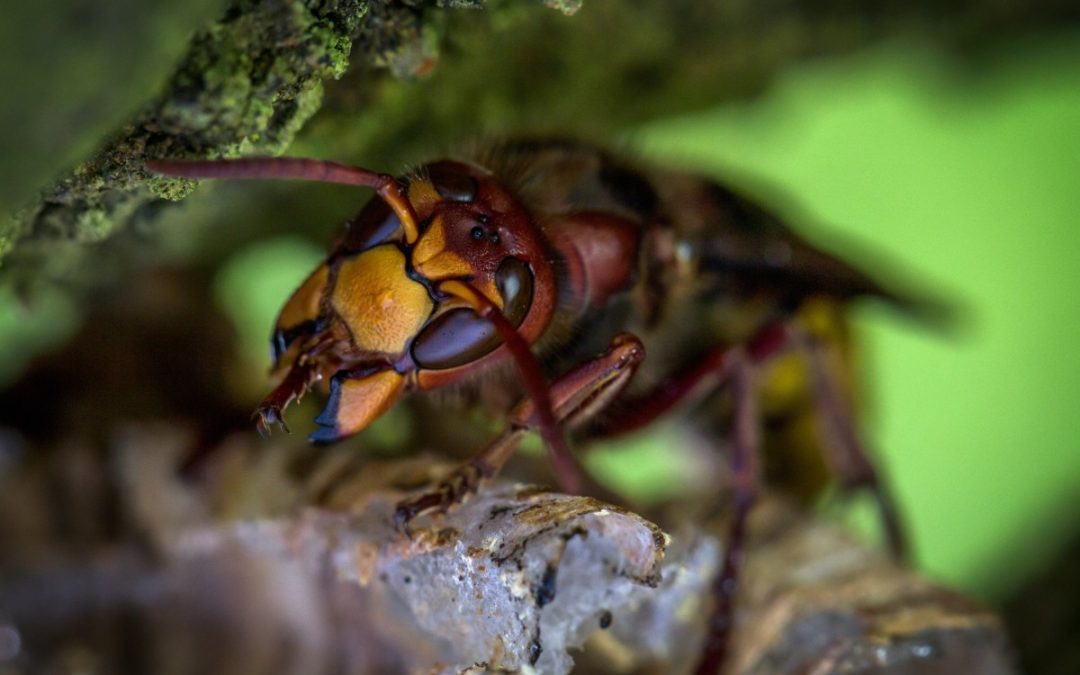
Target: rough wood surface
518, 580
816, 601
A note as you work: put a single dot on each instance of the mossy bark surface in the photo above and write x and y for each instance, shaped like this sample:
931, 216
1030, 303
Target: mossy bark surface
423, 76
247, 84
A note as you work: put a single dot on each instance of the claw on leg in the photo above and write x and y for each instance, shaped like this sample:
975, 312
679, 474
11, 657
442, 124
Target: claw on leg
455, 489
462, 483
266, 417
296, 383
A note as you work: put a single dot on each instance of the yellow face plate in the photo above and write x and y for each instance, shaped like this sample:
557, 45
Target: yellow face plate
382, 307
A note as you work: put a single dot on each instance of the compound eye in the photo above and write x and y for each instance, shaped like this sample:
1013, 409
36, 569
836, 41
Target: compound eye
452, 183
459, 336
515, 282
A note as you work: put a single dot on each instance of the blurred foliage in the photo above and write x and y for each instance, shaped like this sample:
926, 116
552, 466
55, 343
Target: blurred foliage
246, 85
28, 329
71, 72
966, 176
251, 285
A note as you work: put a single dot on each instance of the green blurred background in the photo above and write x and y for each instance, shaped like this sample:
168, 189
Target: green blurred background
972, 182
967, 177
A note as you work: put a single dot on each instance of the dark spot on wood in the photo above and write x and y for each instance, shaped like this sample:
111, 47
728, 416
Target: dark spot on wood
576, 532
659, 541
605, 619
535, 649
407, 579
545, 592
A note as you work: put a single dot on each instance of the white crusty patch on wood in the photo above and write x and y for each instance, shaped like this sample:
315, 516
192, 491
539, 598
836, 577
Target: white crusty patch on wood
516, 577
512, 580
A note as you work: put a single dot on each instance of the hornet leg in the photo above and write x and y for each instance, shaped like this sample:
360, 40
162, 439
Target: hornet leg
848, 456
575, 397
746, 473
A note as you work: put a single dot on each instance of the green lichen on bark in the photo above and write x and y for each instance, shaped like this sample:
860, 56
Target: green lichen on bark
246, 86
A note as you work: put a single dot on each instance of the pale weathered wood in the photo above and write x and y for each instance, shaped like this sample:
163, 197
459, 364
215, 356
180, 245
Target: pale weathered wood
234, 574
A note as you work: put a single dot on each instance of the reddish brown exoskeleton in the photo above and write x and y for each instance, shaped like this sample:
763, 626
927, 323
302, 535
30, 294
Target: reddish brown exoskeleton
568, 262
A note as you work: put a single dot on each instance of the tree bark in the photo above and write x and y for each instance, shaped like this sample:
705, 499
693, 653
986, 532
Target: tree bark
247, 571
251, 80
